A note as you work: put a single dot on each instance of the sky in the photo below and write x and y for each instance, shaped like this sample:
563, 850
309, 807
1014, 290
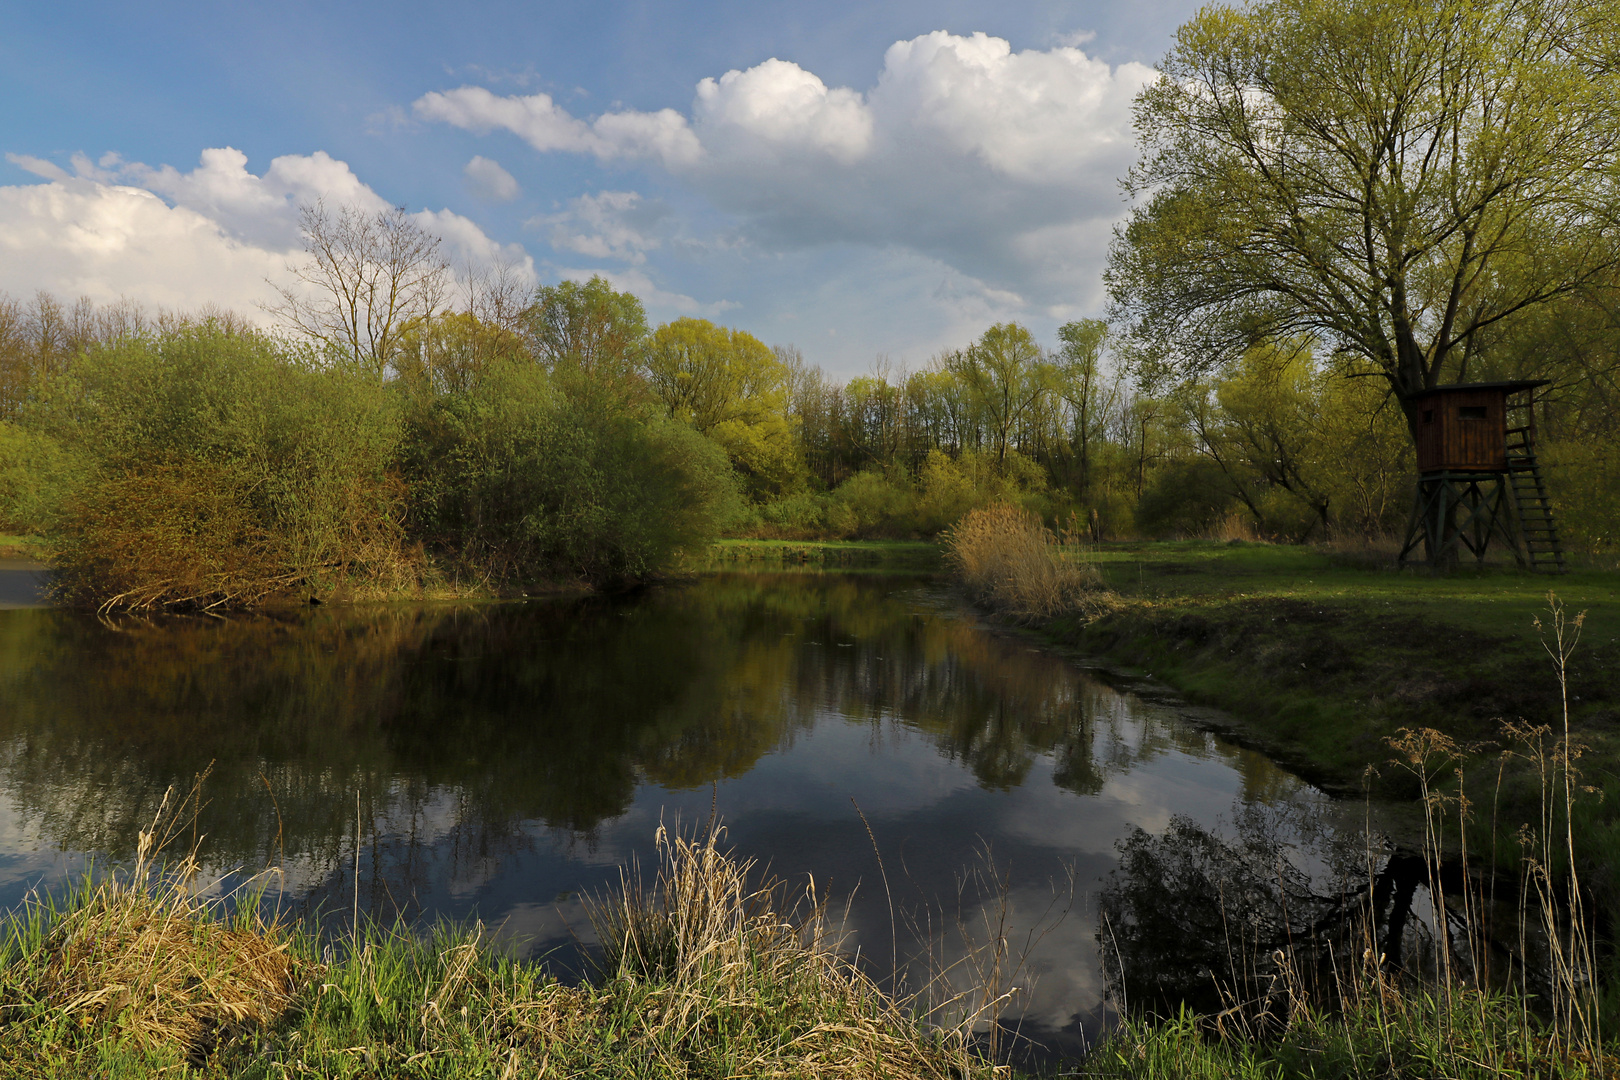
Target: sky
869, 182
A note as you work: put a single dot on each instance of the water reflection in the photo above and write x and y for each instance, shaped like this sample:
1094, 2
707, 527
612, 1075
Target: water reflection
504, 759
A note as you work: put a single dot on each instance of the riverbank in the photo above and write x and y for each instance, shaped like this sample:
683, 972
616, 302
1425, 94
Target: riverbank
1323, 656
22, 548
895, 555
703, 973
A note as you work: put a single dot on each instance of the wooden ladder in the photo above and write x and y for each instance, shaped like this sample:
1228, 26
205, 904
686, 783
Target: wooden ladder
1537, 528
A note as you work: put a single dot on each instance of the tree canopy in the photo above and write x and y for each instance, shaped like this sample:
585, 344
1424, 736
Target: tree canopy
1390, 178
732, 388
587, 326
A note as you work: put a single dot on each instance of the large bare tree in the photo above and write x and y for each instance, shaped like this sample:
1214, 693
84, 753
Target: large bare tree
366, 277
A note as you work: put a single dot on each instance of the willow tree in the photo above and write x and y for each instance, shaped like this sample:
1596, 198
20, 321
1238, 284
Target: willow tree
1389, 177
732, 388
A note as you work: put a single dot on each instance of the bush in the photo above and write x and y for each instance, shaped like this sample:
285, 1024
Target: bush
519, 482
36, 475
218, 468
1186, 497
1009, 560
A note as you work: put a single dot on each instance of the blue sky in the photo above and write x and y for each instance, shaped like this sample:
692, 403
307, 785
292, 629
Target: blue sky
856, 179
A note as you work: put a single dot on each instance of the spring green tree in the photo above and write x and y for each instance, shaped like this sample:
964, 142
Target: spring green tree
447, 353
732, 388
1002, 375
1388, 177
1088, 390
591, 328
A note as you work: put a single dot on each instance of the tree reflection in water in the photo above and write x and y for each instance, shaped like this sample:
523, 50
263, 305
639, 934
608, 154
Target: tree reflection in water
1193, 917
502, 752
457, 724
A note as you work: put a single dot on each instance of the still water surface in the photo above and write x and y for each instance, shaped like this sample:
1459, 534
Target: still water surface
509, 759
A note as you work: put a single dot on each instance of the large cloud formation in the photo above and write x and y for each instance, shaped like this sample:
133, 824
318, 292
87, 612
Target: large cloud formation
218, 233
1002, 165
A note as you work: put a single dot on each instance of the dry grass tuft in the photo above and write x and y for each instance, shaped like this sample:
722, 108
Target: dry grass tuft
718, 954
142, 961
1012, 562
154, 967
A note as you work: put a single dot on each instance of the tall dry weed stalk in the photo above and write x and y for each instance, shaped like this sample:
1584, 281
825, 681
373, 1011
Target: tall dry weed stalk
995, 946
1013, 563
1550, 856
713, 950
1553, 919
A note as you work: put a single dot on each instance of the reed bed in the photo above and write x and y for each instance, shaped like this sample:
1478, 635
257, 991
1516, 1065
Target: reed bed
1011, 562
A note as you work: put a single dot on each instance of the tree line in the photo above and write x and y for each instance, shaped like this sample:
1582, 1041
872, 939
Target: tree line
1338, 207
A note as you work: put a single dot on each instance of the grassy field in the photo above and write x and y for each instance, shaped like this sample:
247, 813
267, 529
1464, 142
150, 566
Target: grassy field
1320, 658
900, 555
21, 547
1323, 655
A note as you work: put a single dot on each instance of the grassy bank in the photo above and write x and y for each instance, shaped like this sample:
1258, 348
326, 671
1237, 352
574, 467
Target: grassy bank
27, 548
900, 555
1322, 656
703, 974
1362, 674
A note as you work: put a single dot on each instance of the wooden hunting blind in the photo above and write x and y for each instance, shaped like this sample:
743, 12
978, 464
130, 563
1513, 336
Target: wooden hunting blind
1478, 477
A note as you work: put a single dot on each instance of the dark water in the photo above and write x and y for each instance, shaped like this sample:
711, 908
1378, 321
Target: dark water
509, 759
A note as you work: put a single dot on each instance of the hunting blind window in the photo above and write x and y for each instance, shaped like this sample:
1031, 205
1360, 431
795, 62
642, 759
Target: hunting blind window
1471, 412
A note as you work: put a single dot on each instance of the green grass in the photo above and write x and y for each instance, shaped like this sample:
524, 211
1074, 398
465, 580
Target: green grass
906, 555
705, 976
1319, 658
1406, 1035
22, 547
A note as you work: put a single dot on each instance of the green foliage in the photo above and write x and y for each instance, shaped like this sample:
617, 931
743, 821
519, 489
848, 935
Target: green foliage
1305, 451
446, 353
37, 473
887, 503
1586, 488
728, 385
218, 467
1186, 497
587, 327
1388, 177
1002, 376
520, 482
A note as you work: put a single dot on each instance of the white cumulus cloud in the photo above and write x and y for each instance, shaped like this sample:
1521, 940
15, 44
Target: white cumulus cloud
182, 239
544, 125
78, 237
608, 225
1002, 165
489, 181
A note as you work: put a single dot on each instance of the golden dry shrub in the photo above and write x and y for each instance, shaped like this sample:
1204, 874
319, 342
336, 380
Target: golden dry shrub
153, 969
179, 533
1013, 563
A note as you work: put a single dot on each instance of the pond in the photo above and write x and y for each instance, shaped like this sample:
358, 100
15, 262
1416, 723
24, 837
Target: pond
504, 762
